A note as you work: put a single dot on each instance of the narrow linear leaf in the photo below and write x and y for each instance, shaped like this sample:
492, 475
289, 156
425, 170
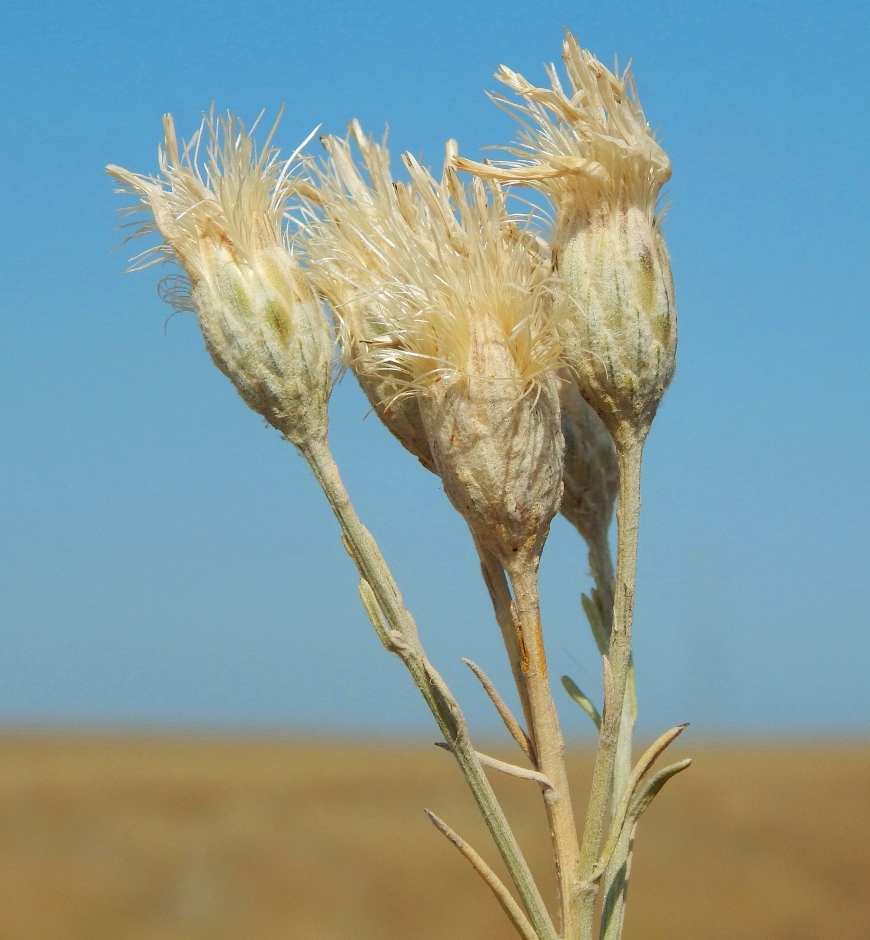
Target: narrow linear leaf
652, 754
622, 816
513, 726
511, 769
573, 690
593, 614
651, 788
503, 896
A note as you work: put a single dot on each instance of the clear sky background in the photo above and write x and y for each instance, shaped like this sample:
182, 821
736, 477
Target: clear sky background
166, 560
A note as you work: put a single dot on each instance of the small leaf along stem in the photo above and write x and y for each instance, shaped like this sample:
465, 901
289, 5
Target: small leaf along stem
582, 700
512, 725
502, 895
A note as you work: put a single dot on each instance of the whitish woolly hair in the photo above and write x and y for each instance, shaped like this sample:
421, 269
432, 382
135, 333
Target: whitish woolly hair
411, 269
235, 195
594, 143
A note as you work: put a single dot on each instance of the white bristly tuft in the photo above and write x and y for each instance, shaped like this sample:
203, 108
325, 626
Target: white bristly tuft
411, 268
444, 302
223, 223
593, 153
594, 143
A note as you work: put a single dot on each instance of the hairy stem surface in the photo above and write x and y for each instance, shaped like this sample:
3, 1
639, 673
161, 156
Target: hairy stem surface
402, 638
629, 454
616, 876
547, 739
618, 869
500, 595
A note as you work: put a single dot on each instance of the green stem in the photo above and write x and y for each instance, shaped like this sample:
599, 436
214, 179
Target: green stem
629, 454
404, 640
618, 869
616, 876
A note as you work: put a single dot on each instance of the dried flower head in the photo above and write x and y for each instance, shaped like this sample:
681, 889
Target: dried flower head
443, 299
261, 321
348, 236
595, 156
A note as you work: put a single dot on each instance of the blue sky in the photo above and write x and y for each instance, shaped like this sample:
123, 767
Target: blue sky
165, 560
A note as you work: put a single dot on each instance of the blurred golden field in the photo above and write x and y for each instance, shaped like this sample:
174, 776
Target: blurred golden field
187, 838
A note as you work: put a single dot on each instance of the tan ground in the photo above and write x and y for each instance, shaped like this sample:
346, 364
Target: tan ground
188, 839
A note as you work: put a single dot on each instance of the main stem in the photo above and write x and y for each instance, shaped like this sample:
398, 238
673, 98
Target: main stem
373, 568
616, 875
629, 452
547, 738
617, 872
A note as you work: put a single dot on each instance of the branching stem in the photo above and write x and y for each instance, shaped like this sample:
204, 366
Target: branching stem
401, 638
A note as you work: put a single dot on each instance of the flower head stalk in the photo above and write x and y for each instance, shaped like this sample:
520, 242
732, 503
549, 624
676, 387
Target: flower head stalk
593, 154
591, 481
261, 321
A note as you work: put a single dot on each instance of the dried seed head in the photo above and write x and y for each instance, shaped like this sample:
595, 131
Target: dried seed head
348, 235
591, 471
261, 322
595, 156
498, 447
444, 300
